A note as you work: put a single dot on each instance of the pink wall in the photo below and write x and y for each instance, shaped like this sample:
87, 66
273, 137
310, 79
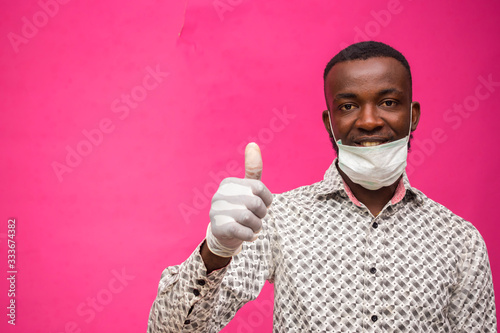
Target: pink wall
241, 70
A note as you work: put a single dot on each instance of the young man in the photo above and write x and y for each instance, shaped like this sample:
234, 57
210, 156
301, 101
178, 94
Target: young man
360, 250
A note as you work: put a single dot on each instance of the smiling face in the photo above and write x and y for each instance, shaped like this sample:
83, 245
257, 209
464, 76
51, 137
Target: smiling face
369, 101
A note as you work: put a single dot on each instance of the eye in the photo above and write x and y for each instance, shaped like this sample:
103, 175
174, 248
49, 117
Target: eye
346, 107
389, 103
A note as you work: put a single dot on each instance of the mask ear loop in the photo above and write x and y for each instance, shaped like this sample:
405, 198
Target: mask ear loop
411, 111
331, 127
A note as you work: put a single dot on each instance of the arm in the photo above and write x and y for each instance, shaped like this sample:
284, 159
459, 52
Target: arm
180, 289
472, 302
224, 291
198, 295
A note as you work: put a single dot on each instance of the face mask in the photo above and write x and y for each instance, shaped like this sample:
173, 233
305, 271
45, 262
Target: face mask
374, 167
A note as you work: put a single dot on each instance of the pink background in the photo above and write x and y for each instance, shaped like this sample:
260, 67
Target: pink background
235, 67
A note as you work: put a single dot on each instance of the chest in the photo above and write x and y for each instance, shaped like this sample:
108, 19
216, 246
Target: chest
353, 266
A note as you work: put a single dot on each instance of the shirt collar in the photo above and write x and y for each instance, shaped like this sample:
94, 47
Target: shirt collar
333, 183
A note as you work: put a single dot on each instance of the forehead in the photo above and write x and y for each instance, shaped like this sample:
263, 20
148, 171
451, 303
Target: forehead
370, 75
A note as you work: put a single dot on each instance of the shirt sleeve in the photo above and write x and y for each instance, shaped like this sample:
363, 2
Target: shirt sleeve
472, 303
180, 288
190, 301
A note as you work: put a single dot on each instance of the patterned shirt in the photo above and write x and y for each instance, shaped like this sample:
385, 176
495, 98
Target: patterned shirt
415, 267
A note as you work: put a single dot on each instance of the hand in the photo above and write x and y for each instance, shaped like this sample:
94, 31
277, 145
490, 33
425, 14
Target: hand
238, 207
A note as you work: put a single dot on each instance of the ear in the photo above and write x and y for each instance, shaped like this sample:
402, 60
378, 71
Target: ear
415, 115
326, 122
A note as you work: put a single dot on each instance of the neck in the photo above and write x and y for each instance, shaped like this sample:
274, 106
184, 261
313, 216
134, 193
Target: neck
374, 200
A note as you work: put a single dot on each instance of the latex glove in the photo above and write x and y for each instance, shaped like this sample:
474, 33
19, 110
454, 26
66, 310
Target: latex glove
238, 207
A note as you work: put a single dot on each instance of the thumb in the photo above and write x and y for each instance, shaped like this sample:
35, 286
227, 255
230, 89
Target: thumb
253, 161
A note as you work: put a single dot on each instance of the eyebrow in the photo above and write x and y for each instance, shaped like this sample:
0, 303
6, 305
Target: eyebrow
390, 91
344, 95
380, 93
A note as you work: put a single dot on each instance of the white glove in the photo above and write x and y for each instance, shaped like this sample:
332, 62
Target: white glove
238, 207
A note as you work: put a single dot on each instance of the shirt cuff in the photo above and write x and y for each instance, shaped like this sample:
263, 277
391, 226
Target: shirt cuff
194, 273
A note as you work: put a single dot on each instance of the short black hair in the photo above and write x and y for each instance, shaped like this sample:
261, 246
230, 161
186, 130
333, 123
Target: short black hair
367, 50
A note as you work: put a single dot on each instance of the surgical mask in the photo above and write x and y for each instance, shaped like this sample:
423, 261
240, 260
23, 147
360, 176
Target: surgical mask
376, 166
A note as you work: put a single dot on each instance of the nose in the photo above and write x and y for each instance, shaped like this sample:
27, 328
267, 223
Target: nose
369, 119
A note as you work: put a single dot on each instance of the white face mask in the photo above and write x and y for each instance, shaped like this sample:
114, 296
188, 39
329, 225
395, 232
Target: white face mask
374, 167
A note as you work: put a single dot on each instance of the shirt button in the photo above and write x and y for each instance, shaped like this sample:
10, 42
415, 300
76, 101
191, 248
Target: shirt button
201, 282
374, 318
375, 225
196, 292
373, 270
187, 322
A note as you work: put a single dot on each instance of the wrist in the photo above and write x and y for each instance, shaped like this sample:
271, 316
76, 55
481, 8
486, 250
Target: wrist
219, 249
212, 261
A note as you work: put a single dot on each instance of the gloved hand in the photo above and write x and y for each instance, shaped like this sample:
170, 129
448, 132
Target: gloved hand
238, 207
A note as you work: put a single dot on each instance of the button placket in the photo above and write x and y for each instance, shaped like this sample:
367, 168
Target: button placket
374, 261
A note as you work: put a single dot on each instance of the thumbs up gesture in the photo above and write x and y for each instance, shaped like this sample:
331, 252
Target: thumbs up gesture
238, 207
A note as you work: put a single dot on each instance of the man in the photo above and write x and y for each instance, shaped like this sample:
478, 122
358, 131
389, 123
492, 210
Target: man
360, 250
